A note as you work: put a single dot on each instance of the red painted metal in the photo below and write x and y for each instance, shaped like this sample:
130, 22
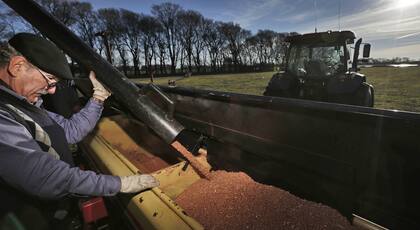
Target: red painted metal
93, 210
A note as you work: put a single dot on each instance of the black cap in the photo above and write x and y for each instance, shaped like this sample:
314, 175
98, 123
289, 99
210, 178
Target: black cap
43, 54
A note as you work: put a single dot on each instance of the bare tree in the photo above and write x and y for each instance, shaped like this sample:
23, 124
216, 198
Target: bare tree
280, 47
265, 45
172, 35
166, 14
86, 23
131, 32
250, 50
161, 53
235, 37
213, 41
150, 28
189, 33
111, 24
60, 9
199, 44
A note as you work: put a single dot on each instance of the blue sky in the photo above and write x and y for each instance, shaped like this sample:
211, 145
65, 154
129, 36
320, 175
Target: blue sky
391, 26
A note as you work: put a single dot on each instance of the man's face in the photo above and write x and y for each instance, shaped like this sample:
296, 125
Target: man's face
32, 83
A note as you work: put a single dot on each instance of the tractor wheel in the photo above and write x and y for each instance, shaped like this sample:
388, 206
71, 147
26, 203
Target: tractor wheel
269, 90
365, 96
275, 87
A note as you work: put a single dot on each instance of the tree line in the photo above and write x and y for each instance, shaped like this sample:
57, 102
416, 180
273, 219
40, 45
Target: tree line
169, 40
394, 60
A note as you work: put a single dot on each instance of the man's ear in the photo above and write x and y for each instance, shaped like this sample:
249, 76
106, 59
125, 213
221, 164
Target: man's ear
16, 65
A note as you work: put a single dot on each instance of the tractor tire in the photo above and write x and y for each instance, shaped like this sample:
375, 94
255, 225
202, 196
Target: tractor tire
270, 89
365, 96
277, 87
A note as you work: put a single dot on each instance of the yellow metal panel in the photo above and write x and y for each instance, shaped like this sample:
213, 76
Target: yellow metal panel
104, 157
151, 209
157, 211
175, 179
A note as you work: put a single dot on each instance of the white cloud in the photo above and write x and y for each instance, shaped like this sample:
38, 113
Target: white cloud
409, 35
411, 51
380, 22
250, 11
296, 18
391, 30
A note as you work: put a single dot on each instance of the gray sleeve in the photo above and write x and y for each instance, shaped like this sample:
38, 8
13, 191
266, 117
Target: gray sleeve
23, 165
81, 123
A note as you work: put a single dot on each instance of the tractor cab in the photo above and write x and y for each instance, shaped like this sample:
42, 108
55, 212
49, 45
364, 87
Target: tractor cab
317, 61
319, 67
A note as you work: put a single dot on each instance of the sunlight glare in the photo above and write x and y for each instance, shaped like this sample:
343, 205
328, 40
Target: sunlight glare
405, 3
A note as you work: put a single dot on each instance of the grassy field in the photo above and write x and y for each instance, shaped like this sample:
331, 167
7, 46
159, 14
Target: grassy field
395, 88
246, 83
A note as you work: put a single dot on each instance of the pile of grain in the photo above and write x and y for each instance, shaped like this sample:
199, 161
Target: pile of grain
234, 201
145, 162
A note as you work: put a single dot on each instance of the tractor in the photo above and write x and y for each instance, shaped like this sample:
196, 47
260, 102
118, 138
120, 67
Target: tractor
318, 67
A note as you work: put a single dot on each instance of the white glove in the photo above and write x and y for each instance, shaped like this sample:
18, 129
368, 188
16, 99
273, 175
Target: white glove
99, 91
137, 183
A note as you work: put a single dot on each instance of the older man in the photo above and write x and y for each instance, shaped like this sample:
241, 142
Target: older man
34, 155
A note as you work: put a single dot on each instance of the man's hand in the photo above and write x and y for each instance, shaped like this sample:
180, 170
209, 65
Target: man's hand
137, 183
99, 91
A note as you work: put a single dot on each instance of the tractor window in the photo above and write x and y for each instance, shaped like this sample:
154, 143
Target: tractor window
316, 61
299, 55
331, 59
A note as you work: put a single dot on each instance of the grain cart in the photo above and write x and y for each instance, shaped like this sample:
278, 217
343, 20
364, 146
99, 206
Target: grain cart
361, 161
318, 67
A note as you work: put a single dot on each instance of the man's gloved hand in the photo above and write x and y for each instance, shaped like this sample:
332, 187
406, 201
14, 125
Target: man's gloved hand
99, 91
137, 183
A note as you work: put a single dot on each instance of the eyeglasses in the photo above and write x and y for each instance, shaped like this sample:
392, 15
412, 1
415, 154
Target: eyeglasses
51, 82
